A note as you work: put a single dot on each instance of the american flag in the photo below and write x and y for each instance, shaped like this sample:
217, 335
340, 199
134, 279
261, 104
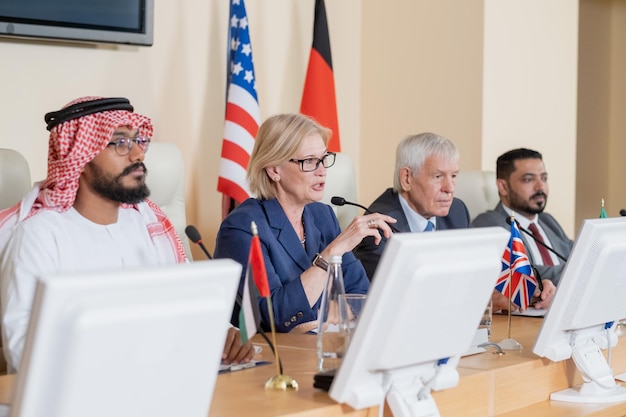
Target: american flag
242, 108
517, 280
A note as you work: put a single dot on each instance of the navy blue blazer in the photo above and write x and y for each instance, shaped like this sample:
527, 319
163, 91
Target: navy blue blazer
285, 258
389, 203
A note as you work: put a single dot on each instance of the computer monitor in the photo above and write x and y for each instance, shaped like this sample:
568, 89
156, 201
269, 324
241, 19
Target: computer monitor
427, 297
134, 342
591, 295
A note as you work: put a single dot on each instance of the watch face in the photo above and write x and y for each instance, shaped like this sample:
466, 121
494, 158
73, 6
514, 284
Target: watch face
320, 262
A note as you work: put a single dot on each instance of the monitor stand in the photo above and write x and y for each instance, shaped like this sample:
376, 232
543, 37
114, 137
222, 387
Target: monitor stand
599, 385
410, 396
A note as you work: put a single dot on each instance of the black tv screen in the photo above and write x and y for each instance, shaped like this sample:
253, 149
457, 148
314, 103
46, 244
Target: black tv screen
109, 21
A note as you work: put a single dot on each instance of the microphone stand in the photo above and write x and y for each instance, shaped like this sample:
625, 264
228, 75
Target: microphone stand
561, 257
340, 201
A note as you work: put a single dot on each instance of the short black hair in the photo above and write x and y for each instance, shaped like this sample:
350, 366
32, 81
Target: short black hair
505, 165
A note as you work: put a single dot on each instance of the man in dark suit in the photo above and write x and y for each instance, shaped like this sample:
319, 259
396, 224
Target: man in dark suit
522, 183
422, 198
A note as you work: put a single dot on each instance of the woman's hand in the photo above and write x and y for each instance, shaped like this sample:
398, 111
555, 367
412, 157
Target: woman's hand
361, 227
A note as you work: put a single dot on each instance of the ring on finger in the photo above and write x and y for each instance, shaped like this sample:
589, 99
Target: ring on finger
372, 224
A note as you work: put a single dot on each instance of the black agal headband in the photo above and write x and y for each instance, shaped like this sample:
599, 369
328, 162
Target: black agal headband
77, 110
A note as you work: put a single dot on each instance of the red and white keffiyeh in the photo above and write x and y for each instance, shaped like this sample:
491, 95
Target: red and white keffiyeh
72, 145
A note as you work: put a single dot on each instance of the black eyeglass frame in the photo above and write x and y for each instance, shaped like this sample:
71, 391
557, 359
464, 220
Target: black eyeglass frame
124, 145
317, 164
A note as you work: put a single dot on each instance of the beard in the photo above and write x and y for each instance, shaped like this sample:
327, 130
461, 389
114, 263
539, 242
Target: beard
111, 187
530, 206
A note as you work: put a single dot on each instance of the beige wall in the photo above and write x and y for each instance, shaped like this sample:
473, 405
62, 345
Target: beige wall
421, 71
179, 82
602, 99
472, 71
530, 90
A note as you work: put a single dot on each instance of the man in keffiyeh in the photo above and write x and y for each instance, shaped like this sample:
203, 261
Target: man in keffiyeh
91, 212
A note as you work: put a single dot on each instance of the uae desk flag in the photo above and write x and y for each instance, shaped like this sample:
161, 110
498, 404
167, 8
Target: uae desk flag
517, 280
242, 117
249, 315
318, 97
603, 211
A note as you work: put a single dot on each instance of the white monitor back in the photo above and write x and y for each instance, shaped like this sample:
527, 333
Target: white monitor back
425, 303
134, 342
590, 298
592, 289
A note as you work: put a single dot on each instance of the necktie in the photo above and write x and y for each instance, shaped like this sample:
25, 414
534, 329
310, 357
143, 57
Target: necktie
545, 255
430, 227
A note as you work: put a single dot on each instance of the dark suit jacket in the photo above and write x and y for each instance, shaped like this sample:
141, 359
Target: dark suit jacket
389, 203
558, 239
285, 258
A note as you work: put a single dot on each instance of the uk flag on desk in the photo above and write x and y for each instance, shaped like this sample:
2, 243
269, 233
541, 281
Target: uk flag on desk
517, 280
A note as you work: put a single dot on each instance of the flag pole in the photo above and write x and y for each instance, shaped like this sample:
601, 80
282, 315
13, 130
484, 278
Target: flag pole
270, 310
279, 382
509, 343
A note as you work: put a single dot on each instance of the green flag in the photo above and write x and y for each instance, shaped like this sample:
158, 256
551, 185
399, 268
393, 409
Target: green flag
603, 211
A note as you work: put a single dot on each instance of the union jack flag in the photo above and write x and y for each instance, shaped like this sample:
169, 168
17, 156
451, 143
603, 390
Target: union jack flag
242, 108
517, 280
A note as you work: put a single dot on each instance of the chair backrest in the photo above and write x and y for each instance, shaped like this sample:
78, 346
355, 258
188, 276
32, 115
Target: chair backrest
341, 181
166, 180
478, 191
14, 177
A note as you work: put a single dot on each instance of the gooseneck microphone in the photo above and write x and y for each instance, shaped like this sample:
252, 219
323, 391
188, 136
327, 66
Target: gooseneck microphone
340, 201
622, 212
194, 235
539, 242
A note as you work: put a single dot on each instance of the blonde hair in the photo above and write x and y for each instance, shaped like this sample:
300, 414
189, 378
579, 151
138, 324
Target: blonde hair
278, 139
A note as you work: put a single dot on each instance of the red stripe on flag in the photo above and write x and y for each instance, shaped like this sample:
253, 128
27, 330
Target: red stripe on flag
231, 188
240, 116
235, 153
257, 264
318, 98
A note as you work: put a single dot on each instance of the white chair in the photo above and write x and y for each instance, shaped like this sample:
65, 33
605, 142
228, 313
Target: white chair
14, 177
341, 181
166, 180
478, 191
14, 184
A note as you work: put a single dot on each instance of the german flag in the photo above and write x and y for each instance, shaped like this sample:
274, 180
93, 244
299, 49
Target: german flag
318, 97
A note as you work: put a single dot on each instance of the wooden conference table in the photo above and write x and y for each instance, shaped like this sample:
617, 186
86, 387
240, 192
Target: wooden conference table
517, 383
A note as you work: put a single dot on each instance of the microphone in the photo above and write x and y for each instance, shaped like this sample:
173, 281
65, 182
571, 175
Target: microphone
194, 235
340, 201
561, 257
622, 212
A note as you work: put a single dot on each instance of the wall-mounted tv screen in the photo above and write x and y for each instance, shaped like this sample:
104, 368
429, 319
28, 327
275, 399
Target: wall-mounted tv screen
108, 21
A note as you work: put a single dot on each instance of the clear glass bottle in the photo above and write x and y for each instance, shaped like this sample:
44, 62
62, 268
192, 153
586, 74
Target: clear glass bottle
332, 336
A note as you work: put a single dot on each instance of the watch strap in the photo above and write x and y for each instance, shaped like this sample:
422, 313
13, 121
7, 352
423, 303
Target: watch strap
320, 262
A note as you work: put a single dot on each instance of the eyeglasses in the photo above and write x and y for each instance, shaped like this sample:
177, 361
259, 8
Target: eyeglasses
311, 164
124, 145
